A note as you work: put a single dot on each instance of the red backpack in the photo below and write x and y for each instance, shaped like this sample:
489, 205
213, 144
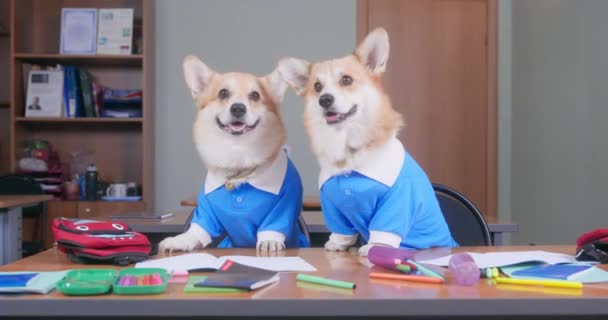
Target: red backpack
90, 241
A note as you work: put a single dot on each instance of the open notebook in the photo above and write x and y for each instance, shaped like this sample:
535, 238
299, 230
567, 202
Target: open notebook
208, 262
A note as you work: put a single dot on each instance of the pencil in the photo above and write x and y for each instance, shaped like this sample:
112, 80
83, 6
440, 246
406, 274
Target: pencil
426, 271
406, 277
541, 282
325, 281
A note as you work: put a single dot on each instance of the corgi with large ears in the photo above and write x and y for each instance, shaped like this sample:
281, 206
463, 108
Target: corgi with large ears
369, 185
252, 195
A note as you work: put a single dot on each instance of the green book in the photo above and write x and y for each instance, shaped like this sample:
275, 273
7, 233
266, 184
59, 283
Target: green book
87, 93
190, 288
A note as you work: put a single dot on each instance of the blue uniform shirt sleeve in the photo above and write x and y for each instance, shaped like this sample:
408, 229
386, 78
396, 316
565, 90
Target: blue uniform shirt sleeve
395, 210
287, 207
206, 218
336, 222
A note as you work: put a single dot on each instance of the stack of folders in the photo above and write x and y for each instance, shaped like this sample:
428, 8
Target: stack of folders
238, 276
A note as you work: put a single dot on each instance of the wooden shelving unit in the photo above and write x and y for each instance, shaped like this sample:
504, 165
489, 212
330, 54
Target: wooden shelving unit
123, 147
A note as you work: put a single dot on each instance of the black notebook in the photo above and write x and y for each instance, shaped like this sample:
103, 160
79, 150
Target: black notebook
236, 275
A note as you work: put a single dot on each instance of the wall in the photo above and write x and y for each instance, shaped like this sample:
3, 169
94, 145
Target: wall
559, 113
231, 35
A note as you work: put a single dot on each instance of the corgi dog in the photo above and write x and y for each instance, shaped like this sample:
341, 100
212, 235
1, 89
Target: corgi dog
252, 194
369, 184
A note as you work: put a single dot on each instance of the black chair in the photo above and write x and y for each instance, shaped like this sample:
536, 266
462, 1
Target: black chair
301, 224
23, 185
465, 221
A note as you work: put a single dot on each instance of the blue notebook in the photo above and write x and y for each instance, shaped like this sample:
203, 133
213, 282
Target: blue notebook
16, 279
551, 271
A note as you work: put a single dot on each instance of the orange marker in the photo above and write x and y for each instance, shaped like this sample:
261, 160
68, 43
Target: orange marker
405, 277
139, 281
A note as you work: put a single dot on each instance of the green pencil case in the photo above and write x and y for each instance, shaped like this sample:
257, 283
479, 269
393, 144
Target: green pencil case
156, 284
85, 282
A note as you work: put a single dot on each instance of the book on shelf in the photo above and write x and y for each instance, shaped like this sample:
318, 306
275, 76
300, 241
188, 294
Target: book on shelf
88, 102
238, 276
44, 93
155, 216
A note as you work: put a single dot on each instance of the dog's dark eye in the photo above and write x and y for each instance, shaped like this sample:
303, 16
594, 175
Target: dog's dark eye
254, 96
318, 86
346, 80
223, 94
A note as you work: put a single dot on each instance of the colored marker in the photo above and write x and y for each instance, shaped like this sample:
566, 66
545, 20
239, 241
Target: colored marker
403, 268
540, 282
426, 271
405, 277
325, 281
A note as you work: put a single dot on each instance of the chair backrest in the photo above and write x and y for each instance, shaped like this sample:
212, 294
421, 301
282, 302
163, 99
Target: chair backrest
465, 221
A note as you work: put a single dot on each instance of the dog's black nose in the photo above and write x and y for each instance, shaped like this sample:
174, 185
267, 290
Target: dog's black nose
238, 110
326, 100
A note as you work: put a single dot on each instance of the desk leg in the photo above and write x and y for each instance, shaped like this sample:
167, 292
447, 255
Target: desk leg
10, 235
497, 238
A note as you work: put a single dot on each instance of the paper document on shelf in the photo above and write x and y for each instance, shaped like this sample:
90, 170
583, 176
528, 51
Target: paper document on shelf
500, 259
193, 261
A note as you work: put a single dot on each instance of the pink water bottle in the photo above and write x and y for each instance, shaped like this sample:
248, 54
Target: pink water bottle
464, 269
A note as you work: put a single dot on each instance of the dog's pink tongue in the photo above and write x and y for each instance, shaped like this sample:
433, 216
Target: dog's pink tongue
237, 126
332, 117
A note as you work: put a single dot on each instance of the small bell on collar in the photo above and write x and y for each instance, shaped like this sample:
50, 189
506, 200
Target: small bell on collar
229, 185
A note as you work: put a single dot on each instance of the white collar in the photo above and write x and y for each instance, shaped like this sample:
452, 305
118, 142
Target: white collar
382, 164
267, 178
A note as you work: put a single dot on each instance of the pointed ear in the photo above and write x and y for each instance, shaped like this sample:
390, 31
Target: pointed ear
295, 73
275, 85
373, 51
197, 75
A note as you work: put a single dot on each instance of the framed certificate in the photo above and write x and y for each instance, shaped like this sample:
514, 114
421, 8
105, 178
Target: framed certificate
78, 31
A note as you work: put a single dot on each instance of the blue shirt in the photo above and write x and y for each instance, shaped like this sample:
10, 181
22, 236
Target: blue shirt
355, 203
247, 210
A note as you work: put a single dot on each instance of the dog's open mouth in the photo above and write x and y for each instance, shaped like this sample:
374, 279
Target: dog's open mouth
236, 127
333, 117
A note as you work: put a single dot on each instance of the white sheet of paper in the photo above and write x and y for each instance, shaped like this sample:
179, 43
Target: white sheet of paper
182, 262
499, 259
272, 263
204, 260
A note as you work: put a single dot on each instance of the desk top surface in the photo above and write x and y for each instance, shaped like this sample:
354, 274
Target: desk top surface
289, 297
7, 201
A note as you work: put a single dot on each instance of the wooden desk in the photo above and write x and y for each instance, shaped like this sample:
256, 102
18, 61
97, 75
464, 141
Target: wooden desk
288, 298
11, 223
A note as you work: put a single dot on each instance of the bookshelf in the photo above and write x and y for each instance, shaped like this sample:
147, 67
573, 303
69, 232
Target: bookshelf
123, 147
4, 85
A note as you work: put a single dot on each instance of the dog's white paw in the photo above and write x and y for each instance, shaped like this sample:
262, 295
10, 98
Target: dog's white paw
363, 251
270, 246
332, 246
183, 242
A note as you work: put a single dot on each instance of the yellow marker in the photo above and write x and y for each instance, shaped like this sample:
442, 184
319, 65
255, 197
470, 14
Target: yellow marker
540, 282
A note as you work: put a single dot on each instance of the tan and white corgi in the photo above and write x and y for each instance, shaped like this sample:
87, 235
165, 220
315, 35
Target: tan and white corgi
369, 184
252, 195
